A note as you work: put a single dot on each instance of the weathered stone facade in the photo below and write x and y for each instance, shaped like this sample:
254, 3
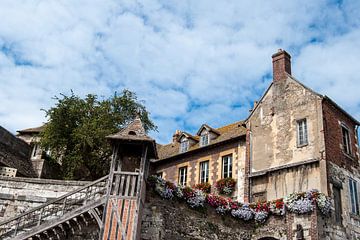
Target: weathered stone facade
164, 219
21, 194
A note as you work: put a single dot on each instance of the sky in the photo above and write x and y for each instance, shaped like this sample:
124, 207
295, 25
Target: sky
190, 62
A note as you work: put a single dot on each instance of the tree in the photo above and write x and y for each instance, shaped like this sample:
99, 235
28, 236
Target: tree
76, 130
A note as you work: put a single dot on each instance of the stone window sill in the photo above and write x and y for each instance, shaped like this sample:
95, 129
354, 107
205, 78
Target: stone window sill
351, 157
302, 145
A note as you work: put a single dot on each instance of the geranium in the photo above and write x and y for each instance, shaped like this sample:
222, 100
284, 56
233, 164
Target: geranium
277, 207
197, 199
226, 186
300, 203
261, 212
188, 192
245, 213
205, 187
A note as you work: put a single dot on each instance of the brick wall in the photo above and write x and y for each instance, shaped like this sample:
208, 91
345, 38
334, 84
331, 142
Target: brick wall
333, 118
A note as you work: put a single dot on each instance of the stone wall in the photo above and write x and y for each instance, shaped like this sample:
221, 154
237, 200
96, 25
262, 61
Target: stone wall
273, 141
18, 195
165, 219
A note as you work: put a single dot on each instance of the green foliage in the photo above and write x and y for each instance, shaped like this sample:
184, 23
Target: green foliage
77, 128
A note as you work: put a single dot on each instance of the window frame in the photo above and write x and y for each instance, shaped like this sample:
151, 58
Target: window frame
182, 176
354, 198
302, 130
204, 173
229, 166
346, 139
202, 142
184, 146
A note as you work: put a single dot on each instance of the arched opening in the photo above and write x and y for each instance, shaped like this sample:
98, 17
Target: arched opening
267, 238
132, 133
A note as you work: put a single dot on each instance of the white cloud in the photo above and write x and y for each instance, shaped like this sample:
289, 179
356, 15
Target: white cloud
191, 61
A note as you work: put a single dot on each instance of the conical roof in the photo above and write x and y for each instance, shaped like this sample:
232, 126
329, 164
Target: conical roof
134, 132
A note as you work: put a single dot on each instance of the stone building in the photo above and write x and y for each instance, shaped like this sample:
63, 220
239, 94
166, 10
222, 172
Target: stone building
293, 140
14, 156
38, 155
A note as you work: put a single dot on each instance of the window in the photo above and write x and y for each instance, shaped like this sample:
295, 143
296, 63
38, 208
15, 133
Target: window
337, 202
182, 176
184, 146
204, 172
346, 140
353, 196
227, 166
36, 150
204, 140
302, 138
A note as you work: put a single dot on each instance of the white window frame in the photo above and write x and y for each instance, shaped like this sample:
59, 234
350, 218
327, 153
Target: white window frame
346, 140
354, 198
182, 176
302, 132
184, 146
204, 140
227, 164
204, 172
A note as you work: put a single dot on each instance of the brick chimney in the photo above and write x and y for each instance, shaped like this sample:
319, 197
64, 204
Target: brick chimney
281, 65
176, 136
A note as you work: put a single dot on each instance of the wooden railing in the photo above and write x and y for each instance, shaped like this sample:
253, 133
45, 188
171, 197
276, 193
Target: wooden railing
124, 184
55, 208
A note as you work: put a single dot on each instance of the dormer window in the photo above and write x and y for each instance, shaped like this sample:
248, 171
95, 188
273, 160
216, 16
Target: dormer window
184, 145
204, 140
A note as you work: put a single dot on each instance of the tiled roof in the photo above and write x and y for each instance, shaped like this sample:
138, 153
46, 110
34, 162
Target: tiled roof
227, 132
208, 127
32, 130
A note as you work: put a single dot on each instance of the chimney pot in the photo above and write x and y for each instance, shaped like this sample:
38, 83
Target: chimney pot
281, 65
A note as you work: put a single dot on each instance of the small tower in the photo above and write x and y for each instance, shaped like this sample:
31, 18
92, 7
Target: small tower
132, 151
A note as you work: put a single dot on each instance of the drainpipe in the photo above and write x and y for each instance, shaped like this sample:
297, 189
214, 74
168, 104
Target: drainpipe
250, 166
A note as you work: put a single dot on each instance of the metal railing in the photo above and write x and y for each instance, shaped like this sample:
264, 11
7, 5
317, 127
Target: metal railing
55, 208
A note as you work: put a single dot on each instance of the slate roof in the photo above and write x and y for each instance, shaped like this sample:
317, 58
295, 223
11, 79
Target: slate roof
15, 153
227, 133
135, 132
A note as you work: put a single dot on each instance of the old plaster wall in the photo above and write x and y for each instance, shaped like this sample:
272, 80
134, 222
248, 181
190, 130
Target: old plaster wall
164, 219
273, 141
170, 168
21, 194
279, 184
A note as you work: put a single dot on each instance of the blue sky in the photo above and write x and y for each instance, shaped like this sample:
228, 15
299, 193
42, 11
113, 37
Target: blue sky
192, 62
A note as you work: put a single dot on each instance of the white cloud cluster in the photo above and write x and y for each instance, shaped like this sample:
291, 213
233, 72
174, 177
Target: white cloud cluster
191, 61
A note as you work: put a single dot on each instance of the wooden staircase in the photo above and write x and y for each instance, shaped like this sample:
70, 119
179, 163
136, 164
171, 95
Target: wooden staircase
70, 214
111, 206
